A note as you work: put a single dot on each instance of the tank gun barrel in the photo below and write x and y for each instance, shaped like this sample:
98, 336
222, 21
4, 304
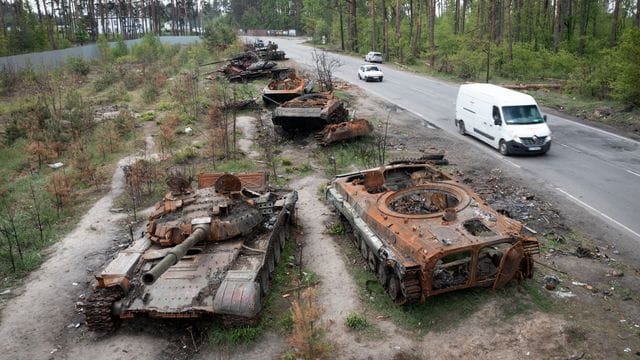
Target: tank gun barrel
175, 254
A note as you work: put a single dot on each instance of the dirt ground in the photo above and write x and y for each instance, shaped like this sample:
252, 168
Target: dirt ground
601, 320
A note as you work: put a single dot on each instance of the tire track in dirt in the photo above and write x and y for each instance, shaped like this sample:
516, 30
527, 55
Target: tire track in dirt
338, 293
36, 323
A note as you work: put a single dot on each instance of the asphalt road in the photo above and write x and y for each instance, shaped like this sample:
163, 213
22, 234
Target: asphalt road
597, 170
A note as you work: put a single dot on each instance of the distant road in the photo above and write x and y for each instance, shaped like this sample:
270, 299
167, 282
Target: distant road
595, 169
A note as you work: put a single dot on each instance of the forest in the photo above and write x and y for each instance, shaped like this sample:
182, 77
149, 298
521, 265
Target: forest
590, 45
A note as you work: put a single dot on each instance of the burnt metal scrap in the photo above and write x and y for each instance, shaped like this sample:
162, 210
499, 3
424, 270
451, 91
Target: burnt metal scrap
424, 232
249, 65
310, 112
343, 131
205, 251
284, 89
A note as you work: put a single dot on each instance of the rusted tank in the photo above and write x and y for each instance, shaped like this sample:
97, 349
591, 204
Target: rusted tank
344, 131
206, 251
310, 112
424, 233
279, 90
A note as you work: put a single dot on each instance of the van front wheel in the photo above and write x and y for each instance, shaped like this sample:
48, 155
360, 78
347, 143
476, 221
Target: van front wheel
461, 129
504, 150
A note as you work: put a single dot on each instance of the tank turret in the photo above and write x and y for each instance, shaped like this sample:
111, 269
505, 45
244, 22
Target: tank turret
209, 251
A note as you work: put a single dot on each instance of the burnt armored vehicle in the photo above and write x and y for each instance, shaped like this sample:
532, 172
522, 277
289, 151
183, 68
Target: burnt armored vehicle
208, 251
425, 233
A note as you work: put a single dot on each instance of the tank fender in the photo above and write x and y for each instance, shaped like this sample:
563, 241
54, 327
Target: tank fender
238, 294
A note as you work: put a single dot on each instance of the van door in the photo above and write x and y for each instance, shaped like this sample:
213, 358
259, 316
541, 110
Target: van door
494, 131
482, 118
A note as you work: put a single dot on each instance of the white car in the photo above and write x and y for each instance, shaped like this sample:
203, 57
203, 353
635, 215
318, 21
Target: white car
373, 56
370, 72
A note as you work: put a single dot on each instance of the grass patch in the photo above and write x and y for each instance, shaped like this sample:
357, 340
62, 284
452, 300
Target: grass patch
337, 228
218, 335
357, 322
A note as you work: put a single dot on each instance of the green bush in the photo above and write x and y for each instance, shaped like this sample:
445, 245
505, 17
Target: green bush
106, 79
627, 68
120, 49
185, 154
78, 66
355, 321
149, 93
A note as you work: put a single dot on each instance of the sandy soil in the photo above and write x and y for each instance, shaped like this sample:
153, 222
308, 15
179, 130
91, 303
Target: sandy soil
41, 321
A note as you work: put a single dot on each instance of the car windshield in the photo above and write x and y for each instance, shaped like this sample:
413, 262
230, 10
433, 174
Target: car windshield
371, 68
522, 115
376, 54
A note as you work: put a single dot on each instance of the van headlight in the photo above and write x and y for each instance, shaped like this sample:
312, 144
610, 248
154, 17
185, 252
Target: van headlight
517, 139
547, 139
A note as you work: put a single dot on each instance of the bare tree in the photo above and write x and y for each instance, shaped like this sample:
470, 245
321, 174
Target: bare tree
325, 65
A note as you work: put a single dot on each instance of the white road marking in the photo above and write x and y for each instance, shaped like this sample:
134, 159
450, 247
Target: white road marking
571, 148
632, 172
510, 162
598, 130
598, 212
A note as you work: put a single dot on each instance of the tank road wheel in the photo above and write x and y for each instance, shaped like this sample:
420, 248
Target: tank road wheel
371, 260
382, 275
270, 262
276, 253
98, 308
264, 282
364, 249
395, 290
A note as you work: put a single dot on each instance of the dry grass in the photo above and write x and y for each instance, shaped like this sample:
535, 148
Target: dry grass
306, 338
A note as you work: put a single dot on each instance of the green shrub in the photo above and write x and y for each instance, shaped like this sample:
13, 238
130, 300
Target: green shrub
78, 66
355, 321
105, 80
149, 93
120, 49
185, 154
235, 336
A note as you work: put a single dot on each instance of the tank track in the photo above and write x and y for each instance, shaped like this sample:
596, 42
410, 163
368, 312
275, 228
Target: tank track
98, 309
411, 286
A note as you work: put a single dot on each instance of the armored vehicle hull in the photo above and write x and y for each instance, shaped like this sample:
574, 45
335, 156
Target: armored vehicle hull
209, 251
424, 233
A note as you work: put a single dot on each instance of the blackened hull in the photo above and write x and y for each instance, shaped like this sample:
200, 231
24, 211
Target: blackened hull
278, 97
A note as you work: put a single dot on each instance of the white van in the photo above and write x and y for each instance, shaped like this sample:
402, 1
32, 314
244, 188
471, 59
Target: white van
508, 120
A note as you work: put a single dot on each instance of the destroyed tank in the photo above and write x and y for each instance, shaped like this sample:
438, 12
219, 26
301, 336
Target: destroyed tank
208, 251
424, 233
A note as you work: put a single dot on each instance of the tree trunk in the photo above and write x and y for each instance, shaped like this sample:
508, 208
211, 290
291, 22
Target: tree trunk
556, 26
638, 13
397, 31
432, 39
372, 12
341, 25
614, 23
463, 15
39, 11
584, 16
456, 17
415, 41
385, 31
4, 28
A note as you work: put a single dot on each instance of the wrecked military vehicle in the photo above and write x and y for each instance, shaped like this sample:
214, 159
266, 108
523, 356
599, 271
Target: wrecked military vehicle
284, 89
351, 129
424, 233
205, 251
310, 112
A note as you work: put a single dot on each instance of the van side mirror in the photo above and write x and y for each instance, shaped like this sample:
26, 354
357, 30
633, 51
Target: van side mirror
544, 117
497, 121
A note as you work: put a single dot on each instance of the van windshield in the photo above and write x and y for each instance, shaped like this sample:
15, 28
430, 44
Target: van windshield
522, 115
